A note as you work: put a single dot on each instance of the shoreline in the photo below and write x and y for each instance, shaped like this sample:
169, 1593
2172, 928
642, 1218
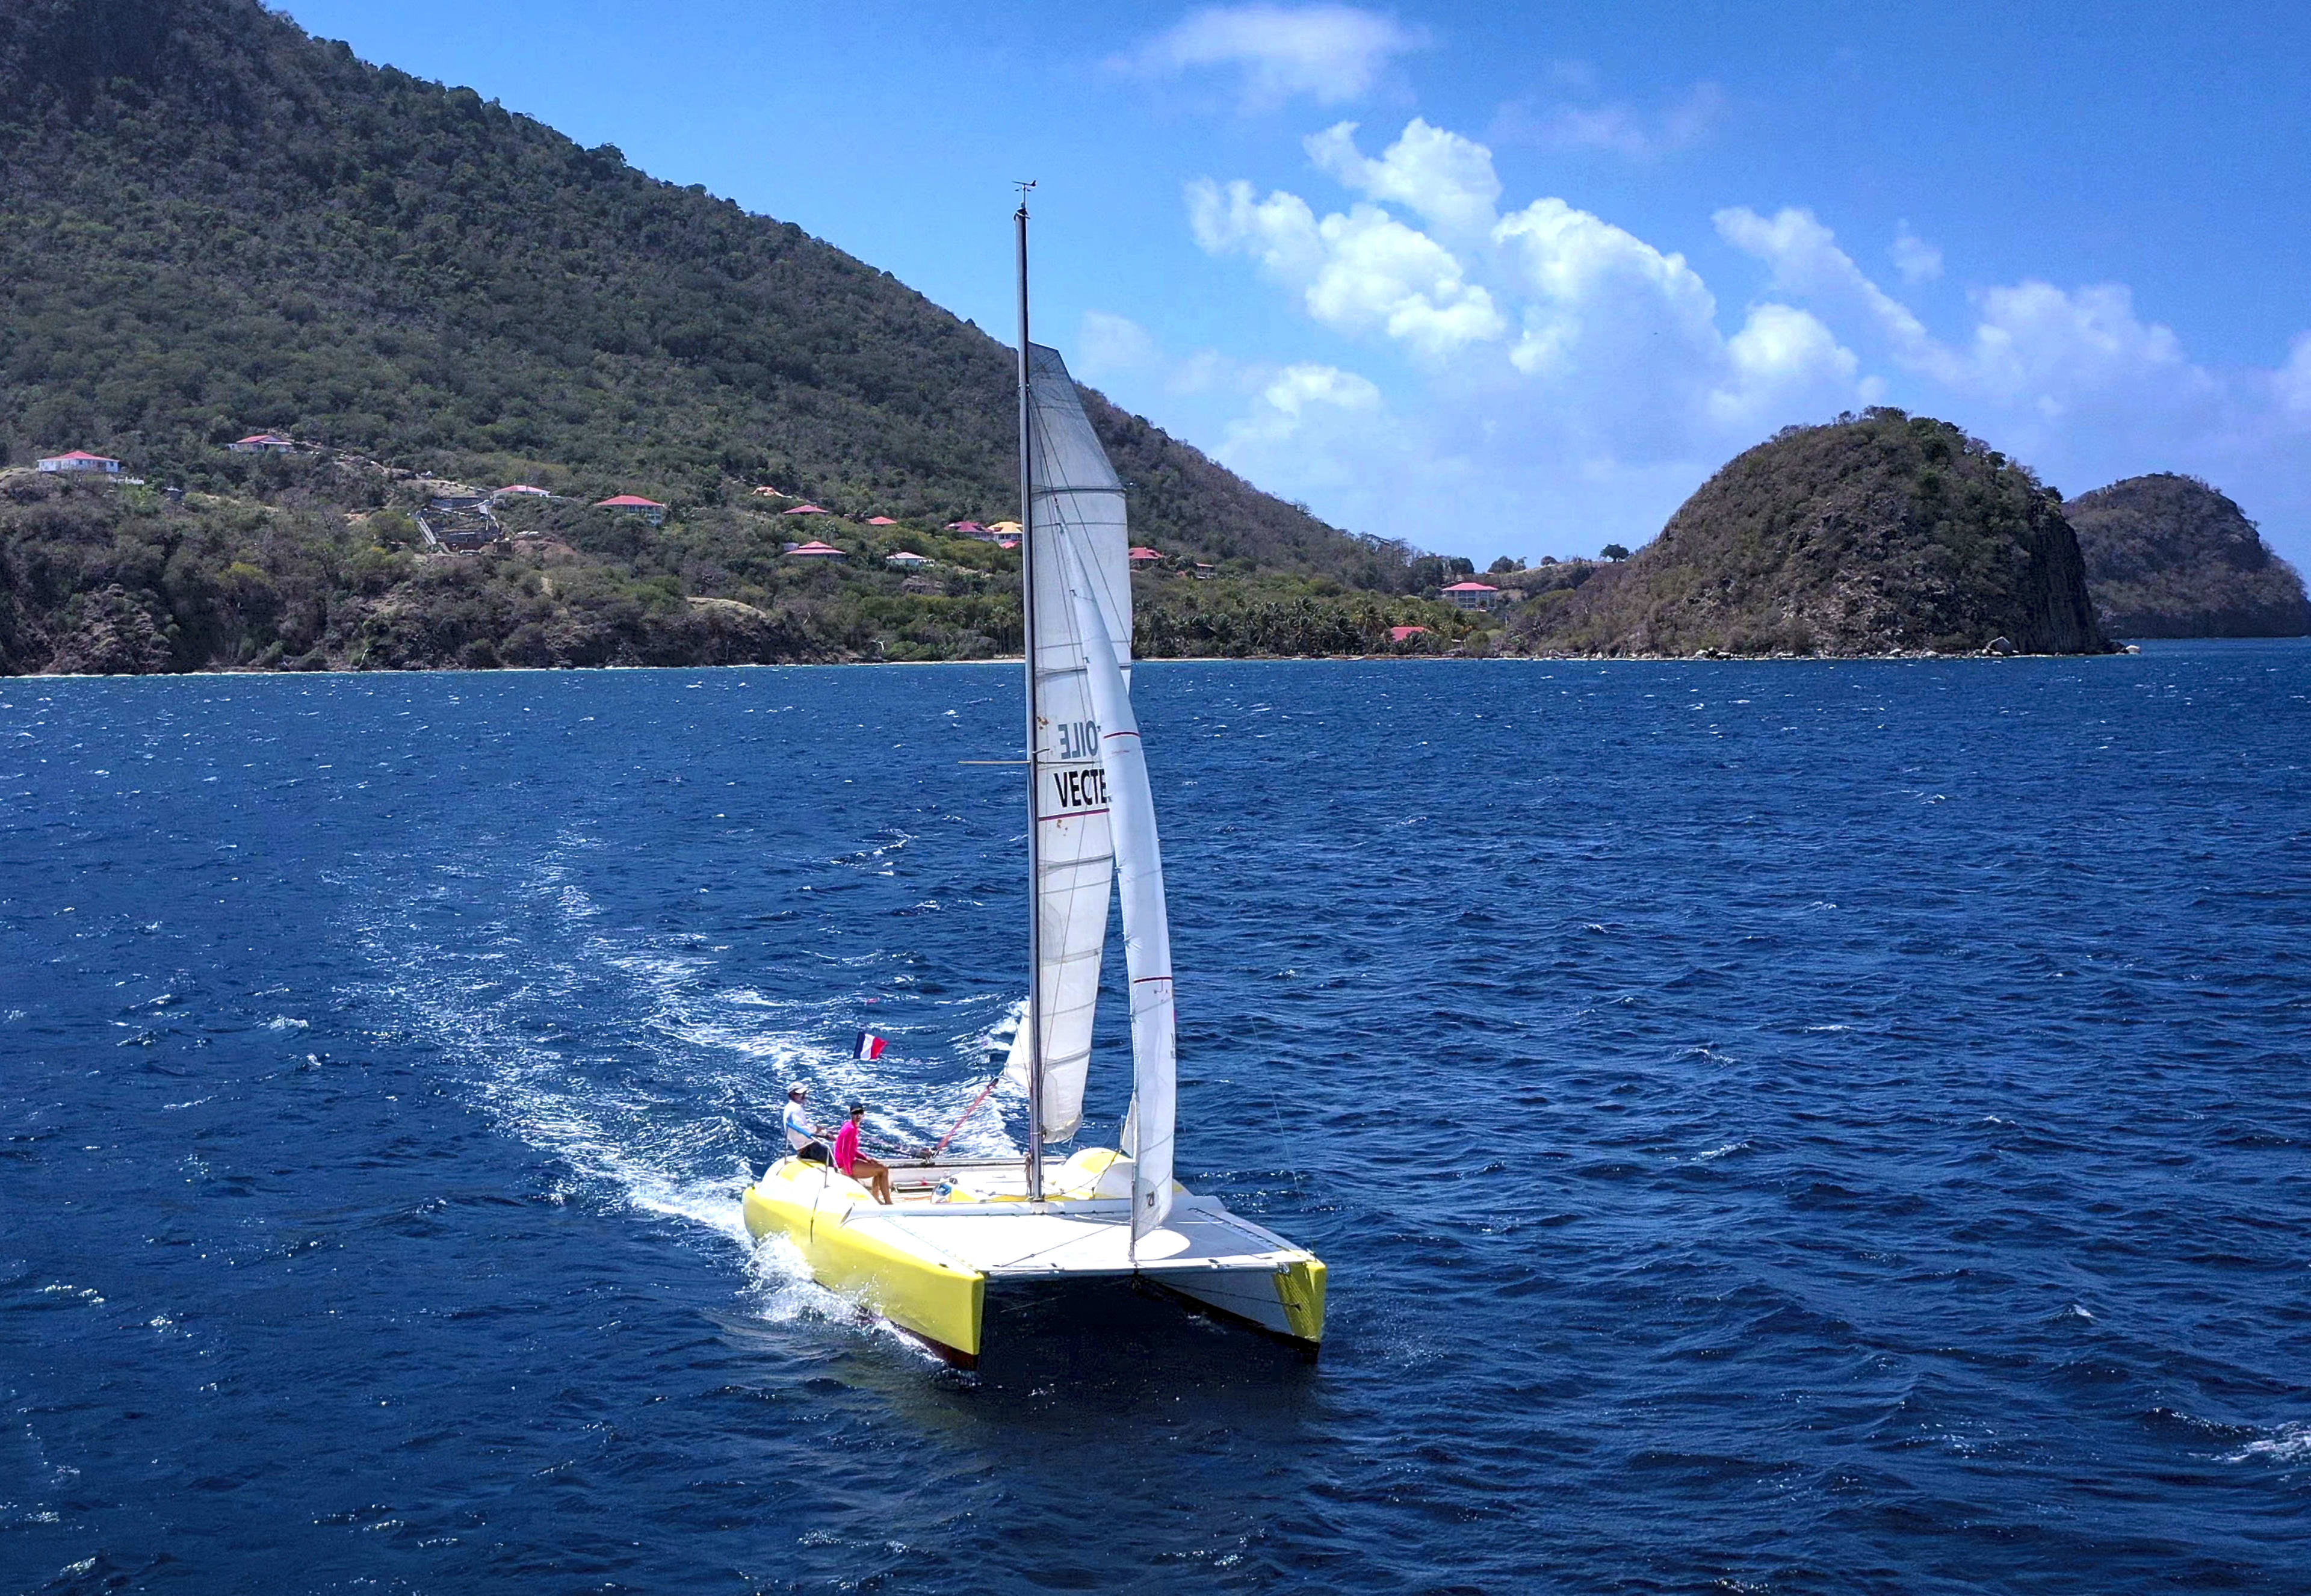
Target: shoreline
1014, 662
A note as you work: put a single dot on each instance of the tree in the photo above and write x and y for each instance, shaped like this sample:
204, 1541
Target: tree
1614, 551
1502, 566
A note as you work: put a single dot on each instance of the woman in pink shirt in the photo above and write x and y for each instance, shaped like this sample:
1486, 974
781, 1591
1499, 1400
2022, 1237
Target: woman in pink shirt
868, 1172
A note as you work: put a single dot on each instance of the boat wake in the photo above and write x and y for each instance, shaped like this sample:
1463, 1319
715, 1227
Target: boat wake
633, 1058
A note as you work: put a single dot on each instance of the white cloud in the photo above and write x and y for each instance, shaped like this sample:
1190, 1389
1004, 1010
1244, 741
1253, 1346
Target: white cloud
2039, 345
2291, 383
1806, 261
1574, 381
1625, 130
1917, 260
1614, 126
1447, 179
1358, 271
1332, 52
1110, 345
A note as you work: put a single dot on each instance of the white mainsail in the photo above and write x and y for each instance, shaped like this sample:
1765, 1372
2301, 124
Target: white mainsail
1147, 922
1076, 501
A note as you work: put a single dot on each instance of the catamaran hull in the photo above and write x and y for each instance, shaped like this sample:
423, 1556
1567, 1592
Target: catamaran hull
925, 1263
934, 1299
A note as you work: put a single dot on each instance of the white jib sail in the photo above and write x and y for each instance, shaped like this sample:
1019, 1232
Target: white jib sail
1078, 500
1147, 922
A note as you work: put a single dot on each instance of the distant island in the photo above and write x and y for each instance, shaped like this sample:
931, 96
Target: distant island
2170, 556
1878, 534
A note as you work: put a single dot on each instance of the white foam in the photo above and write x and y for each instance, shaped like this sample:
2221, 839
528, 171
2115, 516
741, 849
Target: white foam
624, 1056
2289, 1443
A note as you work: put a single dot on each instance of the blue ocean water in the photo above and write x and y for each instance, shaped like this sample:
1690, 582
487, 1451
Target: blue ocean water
1773, 1127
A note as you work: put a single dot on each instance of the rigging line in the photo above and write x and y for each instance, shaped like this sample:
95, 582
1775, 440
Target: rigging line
969, 1112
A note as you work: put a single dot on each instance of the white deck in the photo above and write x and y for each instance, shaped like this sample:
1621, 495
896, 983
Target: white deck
1015, 1239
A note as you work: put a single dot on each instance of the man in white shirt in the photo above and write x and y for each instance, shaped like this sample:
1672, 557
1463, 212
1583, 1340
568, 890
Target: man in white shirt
802, 1136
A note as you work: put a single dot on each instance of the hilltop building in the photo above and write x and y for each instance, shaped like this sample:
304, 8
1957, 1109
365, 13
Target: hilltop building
650, 510
906, 559
1141, 559
815, 551
263, 444
1471, 596
80, 460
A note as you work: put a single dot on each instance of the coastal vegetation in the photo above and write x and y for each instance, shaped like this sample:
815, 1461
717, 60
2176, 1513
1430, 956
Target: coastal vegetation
2171, 557
217, 224
102, 576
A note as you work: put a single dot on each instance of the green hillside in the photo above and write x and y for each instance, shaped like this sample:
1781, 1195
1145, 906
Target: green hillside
1875, 533
2170, 556
216, 225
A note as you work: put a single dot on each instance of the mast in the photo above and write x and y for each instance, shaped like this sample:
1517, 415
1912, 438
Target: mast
1034, 743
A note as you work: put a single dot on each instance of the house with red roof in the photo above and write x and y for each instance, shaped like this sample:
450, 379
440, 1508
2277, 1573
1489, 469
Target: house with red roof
815, 551
806, 510
80, 460
650, 510
522, 490
906, 559
1471, 596
262, 443
880, 520
1405, 634
1141, 559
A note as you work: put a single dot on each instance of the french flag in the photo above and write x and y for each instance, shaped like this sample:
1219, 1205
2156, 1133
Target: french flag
868, 1046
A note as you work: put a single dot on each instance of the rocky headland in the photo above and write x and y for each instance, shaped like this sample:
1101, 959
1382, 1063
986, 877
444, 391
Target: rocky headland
2170, 556
1878, 534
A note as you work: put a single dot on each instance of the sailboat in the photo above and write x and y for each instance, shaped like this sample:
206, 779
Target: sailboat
956, 1228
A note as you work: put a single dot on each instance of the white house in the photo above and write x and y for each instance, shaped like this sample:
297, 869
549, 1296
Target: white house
906, 559
80, 460
263, 444
1471, 596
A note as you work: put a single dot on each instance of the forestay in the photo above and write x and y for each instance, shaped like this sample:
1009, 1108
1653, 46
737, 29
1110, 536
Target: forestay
1077, 500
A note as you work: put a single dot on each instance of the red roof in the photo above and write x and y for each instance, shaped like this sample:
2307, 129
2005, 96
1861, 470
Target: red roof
805, 510
81, 454
880, 520
266, 438
1472, 588
1397, 635
814, 548
628, 501
963, 526
1008, 544
1143, 554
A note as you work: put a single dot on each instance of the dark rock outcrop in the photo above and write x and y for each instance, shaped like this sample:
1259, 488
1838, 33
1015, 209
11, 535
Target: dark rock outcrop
1880, 534
2169, 556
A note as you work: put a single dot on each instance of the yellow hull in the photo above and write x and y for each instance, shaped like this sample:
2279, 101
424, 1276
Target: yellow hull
938, 1301
924, 1264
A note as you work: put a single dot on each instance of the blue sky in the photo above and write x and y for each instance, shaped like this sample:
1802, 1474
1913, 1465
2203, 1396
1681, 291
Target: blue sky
1516, 280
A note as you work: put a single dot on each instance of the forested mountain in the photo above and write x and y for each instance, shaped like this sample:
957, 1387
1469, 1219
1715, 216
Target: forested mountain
2169, 556
1878, 533
215, 224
